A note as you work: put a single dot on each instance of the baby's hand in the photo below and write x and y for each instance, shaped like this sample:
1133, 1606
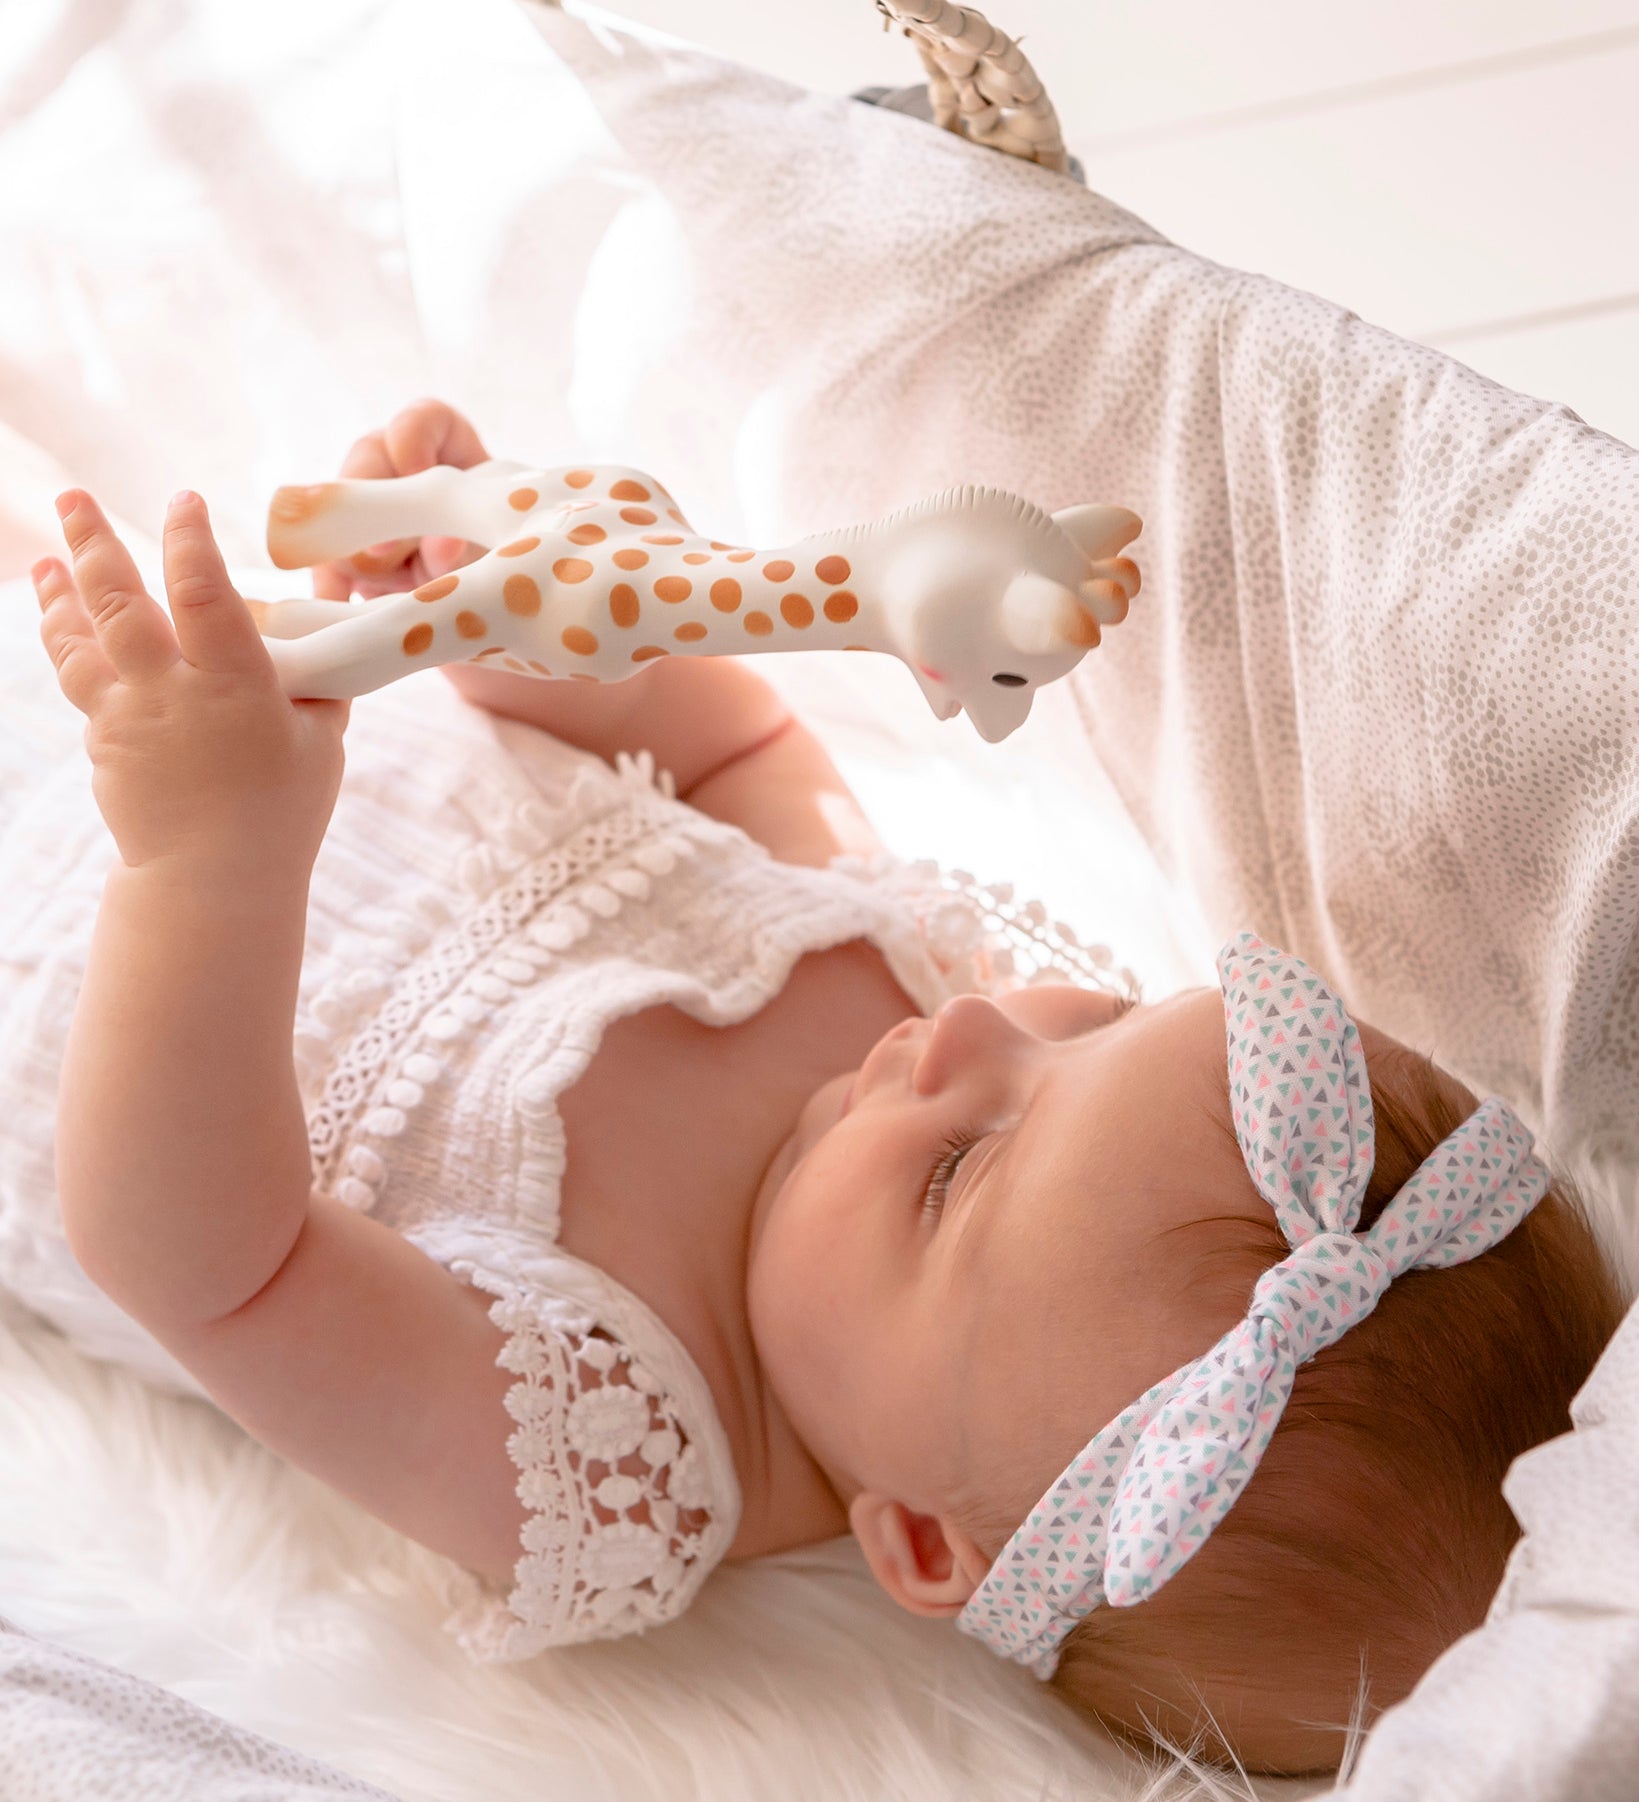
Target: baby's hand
201, 765
425, 433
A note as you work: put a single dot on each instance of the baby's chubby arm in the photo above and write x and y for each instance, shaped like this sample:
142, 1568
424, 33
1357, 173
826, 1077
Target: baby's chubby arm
696, 715
182, 1158
183, 1168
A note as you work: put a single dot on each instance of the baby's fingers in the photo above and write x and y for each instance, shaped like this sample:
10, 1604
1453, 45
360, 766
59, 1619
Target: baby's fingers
83, 672
131, 626
213, 625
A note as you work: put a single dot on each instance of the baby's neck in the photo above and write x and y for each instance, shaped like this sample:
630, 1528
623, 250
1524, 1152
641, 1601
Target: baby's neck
789, 1501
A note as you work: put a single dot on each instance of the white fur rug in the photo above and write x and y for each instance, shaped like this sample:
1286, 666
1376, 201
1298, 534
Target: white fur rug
149, 1532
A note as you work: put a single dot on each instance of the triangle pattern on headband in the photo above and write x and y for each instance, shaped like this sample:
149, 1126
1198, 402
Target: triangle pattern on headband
1142, 1497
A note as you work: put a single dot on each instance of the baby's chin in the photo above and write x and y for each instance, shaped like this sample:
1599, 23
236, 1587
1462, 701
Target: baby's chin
819, 1113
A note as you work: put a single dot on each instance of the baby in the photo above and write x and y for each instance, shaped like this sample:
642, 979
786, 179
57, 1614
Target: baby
1088, 1332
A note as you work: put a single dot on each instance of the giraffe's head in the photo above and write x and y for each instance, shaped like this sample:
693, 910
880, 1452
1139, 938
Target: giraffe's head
988, 598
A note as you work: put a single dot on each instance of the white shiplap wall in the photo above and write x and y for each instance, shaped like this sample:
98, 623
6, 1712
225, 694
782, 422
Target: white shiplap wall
1462, 172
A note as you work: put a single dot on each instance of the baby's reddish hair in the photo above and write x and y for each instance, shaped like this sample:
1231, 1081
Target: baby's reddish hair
1373, 1533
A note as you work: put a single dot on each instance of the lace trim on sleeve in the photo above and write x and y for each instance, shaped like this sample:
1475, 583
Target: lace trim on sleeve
622, 1529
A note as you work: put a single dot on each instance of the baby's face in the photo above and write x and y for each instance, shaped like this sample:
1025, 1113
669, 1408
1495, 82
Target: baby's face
920, 1336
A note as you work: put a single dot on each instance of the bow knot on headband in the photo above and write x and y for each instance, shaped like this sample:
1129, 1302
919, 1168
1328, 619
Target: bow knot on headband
1140, 1498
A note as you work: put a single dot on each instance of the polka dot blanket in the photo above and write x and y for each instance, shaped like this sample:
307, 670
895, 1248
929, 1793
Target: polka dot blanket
1379, 697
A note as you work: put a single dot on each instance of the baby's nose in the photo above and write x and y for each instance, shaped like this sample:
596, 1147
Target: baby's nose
964, 1028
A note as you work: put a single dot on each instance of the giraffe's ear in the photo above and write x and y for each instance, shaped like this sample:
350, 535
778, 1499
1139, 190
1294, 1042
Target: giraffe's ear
1099, 532
1040, 616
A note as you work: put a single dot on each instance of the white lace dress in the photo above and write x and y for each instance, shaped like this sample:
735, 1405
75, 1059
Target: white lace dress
487, 900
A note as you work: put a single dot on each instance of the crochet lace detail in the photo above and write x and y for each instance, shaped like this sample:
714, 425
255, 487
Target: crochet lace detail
414, 990
980, 938
621, 1532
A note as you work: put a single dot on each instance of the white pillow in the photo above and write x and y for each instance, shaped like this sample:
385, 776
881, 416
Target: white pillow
1379, 697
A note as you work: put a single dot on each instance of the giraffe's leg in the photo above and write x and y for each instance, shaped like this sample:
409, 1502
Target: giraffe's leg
328, 520
491, 610
296, 618
359, 653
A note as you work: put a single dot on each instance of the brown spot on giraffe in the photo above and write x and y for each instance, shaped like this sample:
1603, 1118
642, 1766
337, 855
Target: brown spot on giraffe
577, 478
541, 667
841, 606
518, 547
469, 625
524, 498
673, 588
779, 570
624, 606
587, 534
435, 591
579, 640
758, 624
690, 632
580, 675
294, 506
624, 490
741, 556
1083, 628
719, 547
1112, 594
672, 513
697, 556
417, 639
796, 610
631, 559
638, 516
571, 569
645, 651
832, 570
661, 538
522, 595
725, 595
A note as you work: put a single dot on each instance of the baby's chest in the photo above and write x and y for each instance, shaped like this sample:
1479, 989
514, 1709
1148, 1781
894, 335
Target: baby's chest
673, 1125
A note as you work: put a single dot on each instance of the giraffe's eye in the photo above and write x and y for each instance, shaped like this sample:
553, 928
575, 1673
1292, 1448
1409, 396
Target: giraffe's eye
1008, 681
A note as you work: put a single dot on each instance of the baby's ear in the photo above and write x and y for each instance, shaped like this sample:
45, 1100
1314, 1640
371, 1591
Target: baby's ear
924, 1561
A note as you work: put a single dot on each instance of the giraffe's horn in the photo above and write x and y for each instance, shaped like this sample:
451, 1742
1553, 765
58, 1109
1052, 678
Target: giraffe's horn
1100, 532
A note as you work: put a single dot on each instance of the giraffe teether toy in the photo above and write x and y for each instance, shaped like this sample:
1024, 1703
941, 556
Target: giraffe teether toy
595, 572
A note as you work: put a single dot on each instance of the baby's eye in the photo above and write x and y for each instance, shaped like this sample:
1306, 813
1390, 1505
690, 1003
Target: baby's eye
957, 1146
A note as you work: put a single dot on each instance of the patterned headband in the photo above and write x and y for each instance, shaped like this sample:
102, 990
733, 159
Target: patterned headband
1139, 1500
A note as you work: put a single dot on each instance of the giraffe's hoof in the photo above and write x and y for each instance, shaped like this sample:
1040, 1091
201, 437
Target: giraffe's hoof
290, 509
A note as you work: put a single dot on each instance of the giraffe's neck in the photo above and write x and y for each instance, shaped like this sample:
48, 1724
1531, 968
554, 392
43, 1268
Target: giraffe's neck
820, 593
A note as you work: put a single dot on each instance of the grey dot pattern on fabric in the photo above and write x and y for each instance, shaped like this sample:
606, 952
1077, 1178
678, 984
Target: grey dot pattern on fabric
1379, 697
72, 1729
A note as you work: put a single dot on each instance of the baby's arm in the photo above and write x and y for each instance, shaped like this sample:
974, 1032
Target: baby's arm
735, 750
185, 1180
